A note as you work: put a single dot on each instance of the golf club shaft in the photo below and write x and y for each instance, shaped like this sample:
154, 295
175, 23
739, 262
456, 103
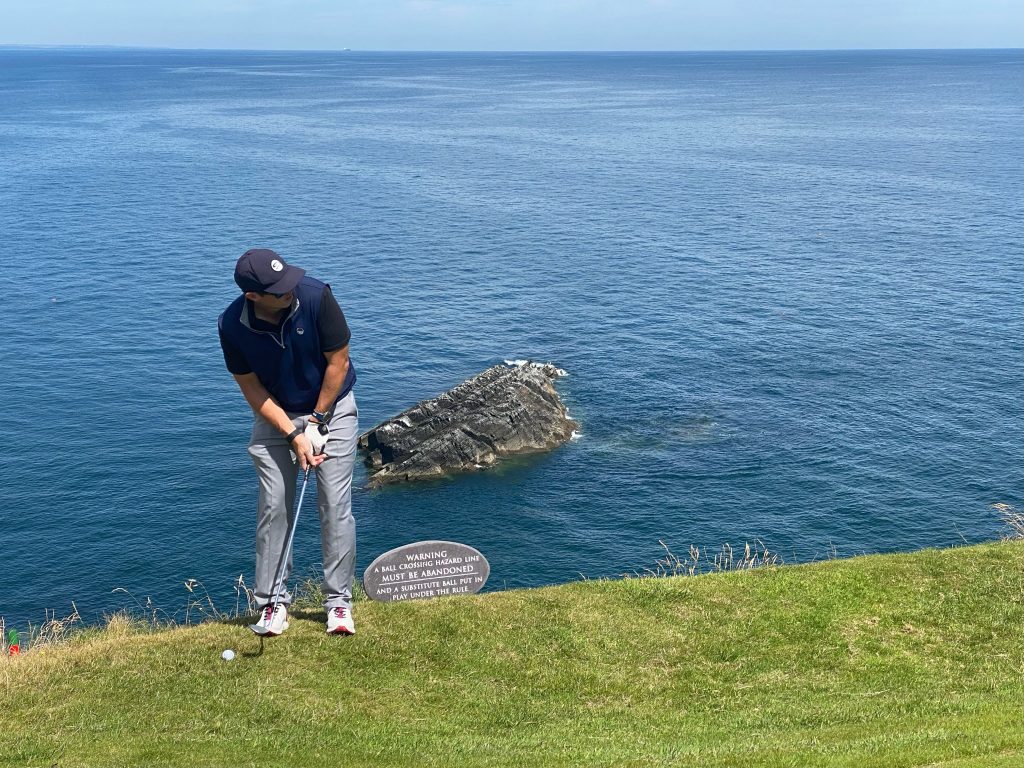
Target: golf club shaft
279, 578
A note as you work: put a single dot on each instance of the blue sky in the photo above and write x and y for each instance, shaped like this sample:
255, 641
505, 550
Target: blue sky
518, 24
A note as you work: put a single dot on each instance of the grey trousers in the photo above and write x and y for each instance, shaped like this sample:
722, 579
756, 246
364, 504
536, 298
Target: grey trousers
278, 475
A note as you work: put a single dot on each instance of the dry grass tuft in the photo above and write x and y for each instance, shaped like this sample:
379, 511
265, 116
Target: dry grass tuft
1013, 519
124, 623
699, 561
54, 630
146, 609
200, 606
242, 591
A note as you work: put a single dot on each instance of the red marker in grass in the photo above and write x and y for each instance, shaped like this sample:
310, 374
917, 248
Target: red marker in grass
13, 649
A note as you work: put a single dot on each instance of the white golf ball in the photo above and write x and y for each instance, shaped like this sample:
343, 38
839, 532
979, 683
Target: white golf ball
228, 655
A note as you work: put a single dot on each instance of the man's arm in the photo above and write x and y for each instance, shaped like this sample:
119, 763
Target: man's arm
261, 402
334, 377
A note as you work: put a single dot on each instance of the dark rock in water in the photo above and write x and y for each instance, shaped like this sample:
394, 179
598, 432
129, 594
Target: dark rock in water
507, 409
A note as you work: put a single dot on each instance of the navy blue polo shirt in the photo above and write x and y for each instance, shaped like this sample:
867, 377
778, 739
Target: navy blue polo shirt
287, 358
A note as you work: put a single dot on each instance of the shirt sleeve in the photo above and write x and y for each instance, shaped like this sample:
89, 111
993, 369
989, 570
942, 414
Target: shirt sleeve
233, 358
331, 325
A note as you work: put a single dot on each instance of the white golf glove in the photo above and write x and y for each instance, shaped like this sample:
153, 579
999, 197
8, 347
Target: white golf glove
317, 436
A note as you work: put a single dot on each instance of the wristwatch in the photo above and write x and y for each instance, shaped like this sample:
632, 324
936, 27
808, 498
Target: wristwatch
322, 416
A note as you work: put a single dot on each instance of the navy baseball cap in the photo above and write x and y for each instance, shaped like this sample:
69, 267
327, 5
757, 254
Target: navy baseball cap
263, 271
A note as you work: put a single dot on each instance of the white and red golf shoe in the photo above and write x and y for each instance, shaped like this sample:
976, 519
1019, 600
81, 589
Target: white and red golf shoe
273, 620
339, 621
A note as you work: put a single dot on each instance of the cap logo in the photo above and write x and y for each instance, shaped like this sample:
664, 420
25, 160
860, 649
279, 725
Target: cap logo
276, 265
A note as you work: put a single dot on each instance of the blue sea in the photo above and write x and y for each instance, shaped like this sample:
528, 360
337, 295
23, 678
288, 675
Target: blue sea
786, 288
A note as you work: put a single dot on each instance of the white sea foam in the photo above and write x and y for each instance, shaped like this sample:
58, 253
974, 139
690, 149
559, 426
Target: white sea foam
520, 363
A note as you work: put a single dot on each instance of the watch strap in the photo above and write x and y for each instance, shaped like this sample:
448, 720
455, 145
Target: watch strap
294, 433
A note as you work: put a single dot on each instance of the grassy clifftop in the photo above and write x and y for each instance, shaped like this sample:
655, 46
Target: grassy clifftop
901, 660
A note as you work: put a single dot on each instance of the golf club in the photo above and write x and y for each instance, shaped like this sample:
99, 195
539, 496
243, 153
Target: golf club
279, 577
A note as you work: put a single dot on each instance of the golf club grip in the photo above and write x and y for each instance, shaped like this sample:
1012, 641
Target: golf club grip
289, 538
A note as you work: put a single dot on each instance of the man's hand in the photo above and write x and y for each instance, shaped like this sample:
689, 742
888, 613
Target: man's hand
263, 404
316, 433
305, 454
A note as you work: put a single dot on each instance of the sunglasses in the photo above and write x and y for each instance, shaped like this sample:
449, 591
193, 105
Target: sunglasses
275, 295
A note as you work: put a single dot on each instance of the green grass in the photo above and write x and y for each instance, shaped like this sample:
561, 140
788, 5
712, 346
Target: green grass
901, 660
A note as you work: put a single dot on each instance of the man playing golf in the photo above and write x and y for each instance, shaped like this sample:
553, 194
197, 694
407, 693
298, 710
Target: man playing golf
285, 341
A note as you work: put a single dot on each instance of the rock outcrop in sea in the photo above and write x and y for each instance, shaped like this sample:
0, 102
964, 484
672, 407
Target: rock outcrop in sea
507, 409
